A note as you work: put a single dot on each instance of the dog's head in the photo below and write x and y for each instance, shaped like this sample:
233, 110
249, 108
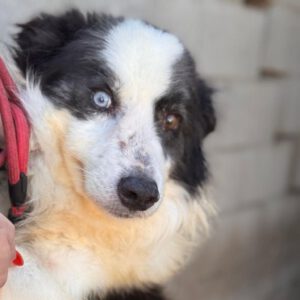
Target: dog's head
138, 110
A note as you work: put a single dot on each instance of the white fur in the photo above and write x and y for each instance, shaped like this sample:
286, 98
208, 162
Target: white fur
142, 57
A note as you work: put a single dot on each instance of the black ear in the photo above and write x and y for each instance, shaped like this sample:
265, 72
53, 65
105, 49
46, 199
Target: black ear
208, 116
42, 38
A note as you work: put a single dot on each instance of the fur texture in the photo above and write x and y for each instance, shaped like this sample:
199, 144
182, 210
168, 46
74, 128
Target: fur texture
79, 239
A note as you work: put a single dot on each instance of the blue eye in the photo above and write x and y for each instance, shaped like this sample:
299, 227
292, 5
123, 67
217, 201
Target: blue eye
102, 99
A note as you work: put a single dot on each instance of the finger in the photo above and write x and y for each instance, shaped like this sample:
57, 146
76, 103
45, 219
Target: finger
5, 258
8, 230
7, 250
8, 226
3, 278
13, 252
8, 247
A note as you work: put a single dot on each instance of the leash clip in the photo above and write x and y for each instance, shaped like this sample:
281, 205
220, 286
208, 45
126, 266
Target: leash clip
17, 194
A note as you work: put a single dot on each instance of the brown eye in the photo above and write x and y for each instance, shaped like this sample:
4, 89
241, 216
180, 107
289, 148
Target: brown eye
172, 122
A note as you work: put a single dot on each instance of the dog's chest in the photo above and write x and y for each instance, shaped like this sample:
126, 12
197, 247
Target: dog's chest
76, 255
72, 274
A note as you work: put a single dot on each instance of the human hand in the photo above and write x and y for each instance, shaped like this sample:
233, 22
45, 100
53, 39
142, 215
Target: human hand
7, 247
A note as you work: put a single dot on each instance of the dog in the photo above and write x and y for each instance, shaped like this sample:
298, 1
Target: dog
117, 174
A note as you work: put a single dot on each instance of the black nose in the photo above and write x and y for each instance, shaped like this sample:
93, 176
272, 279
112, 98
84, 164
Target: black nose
137, 193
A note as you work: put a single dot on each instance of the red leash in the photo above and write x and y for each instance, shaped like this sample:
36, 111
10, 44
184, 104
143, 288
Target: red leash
16, 135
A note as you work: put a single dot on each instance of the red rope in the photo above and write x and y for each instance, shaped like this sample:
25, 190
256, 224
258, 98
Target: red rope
15, 128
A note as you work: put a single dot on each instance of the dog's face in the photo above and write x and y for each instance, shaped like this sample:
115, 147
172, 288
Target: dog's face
138, 111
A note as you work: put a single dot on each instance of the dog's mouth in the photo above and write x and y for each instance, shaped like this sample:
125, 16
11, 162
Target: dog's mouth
118, 210
122, 214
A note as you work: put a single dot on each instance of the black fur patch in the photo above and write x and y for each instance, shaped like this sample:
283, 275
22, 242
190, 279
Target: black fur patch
62, 52
154, 293
191, 98
46, 37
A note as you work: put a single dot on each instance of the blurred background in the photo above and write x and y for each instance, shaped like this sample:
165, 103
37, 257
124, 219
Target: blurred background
249, 50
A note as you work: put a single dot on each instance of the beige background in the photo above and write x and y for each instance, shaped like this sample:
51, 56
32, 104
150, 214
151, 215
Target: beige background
251, 54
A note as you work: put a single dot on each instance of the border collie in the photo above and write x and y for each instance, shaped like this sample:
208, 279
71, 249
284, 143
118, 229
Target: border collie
117, 176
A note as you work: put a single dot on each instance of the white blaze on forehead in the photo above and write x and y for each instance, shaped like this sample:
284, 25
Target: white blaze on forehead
141, 57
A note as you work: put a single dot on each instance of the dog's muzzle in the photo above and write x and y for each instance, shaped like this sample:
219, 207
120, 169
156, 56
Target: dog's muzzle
138, 193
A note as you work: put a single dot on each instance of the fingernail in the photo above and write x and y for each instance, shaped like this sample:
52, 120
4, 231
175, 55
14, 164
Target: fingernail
18, 261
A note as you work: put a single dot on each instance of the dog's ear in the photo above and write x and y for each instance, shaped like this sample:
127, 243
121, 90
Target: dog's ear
208, 116
42, 38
